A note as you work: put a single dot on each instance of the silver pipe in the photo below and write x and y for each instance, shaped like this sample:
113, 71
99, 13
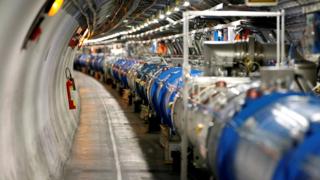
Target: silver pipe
218, 55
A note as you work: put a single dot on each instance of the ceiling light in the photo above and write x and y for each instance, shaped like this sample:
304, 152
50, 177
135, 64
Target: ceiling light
162, 16
176, 9
218, 7
55, 7
170, 20
186, 4
125, 21
168, 13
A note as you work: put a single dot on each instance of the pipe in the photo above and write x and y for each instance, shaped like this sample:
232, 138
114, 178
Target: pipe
75, 2
90, 5
228, 54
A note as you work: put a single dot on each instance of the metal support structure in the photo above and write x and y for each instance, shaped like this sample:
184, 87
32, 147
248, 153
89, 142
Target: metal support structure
186, 71
278, 42
186, 67
235, 13
283, 52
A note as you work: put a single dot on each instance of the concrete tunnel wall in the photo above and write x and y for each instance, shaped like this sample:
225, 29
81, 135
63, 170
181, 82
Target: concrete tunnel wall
36, 126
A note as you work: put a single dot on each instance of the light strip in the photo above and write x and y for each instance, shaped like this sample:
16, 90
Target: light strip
234, 23
169, 37
133, 30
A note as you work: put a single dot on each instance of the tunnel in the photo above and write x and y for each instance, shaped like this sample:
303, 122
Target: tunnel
159, 89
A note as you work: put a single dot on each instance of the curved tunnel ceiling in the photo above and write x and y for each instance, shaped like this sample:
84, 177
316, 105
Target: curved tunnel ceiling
107, 17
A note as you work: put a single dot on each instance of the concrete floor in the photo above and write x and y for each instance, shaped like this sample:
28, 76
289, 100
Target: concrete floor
111, 142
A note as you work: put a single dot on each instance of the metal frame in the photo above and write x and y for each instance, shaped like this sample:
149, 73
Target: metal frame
280, 15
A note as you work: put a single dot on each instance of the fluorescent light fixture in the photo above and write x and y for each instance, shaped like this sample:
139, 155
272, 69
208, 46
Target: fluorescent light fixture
55, 7
218, 7
186, 4
162, 16
170, 20
176, 9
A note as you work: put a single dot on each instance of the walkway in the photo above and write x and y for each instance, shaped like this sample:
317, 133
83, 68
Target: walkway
111, 142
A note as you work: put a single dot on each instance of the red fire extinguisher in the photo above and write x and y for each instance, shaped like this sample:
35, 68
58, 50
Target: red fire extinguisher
71, 89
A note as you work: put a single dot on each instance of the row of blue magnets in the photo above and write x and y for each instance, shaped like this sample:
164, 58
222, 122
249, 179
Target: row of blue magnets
95, 62
164, 83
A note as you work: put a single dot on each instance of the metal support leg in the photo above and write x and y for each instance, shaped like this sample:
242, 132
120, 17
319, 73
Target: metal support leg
278, 41
184, 138
283, 50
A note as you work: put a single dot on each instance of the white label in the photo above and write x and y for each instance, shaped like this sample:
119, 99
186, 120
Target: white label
74, 95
